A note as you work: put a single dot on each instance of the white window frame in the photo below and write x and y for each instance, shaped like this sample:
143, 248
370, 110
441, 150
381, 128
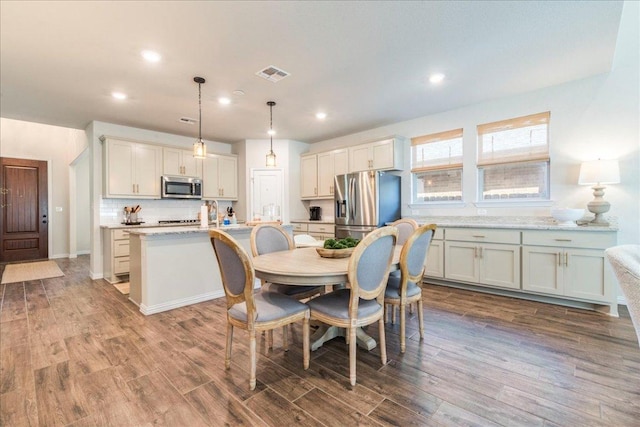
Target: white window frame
446, 150
533, 150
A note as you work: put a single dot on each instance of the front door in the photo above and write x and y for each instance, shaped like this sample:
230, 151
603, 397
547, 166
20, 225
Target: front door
24, 215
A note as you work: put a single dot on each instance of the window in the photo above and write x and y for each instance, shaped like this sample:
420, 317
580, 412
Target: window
436, 167
513, 158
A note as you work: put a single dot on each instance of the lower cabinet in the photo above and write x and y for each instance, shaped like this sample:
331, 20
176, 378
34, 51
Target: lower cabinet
321, 231
483, 256
115, 254
568, 264
434, 267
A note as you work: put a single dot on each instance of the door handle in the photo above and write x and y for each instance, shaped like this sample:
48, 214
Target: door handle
566, 259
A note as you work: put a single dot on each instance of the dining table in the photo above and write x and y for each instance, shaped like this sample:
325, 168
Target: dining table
304, 267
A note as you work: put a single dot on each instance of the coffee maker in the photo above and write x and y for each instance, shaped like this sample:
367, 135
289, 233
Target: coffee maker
315, 213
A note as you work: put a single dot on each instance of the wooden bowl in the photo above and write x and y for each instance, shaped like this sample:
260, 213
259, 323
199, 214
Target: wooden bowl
335, 253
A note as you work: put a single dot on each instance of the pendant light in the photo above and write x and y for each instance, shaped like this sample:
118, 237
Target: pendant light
199, 147
271, 156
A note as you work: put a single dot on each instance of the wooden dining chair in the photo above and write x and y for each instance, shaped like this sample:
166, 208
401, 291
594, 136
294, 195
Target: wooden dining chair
405, 227
267, 238
362, 303
405, 289
263, 311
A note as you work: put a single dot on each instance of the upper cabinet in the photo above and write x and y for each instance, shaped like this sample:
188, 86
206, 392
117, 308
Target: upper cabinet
132, 169
380, 155
331, 164
220, 177
309, 176
178, 162
317, 172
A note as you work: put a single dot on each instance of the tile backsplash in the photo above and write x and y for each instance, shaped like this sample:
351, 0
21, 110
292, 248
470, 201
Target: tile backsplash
112, 210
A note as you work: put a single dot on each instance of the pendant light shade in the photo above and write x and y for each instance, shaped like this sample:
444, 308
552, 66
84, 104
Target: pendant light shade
199, 147
271, 156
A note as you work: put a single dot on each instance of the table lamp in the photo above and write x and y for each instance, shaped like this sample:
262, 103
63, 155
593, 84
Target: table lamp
599, 172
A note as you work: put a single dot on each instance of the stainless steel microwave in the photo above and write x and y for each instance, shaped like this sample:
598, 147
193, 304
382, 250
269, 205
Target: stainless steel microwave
181, 187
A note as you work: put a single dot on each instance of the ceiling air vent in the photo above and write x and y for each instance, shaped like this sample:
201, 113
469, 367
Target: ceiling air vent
273, 74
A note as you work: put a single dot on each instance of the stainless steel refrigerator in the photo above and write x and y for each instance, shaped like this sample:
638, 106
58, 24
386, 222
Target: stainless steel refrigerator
365, 201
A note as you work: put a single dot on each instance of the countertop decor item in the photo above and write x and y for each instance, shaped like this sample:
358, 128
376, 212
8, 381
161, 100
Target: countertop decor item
567, 217
199, 147
599, 172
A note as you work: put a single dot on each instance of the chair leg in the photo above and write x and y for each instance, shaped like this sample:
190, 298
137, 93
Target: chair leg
352, 355
403, 327
270, 339
383, 342
252, 358
421, 319
227, 356
410, 308
285, 338
394, 314
305, 342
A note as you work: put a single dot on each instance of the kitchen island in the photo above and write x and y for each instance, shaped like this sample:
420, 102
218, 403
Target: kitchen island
172, 267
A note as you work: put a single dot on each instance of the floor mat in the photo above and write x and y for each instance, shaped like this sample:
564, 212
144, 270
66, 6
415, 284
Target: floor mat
30, 271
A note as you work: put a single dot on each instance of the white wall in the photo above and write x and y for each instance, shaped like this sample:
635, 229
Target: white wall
590, 118
83, 198
58, 146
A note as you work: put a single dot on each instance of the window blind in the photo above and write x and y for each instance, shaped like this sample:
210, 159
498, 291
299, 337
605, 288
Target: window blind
521, 139
436, 151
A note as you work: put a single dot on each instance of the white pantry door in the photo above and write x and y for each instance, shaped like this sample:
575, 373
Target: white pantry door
266, 189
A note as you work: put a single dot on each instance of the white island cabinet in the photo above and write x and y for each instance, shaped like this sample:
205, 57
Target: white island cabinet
172, 267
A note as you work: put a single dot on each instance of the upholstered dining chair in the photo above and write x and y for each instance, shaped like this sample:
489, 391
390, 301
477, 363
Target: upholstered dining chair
405, 289
625, 260
262, 311
362, 303
405, 227
267, 238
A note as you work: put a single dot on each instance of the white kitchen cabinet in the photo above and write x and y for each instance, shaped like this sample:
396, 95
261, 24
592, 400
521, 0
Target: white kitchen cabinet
567, 264
322, 231
380, 155
486, 257
115, 254
309, 176
220, 177
178, 162
132, 169
330, 164
434, 267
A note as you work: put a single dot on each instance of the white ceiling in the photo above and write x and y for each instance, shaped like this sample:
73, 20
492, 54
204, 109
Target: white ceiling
364, 63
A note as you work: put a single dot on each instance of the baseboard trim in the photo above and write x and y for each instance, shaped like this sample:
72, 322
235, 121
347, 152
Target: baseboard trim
170, 305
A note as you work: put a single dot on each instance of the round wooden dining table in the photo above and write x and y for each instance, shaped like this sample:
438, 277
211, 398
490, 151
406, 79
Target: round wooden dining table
304, 267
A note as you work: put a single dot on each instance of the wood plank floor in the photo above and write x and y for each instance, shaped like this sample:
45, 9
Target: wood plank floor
76, 352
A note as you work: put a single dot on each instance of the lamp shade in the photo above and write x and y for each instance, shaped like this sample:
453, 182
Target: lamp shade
599, 172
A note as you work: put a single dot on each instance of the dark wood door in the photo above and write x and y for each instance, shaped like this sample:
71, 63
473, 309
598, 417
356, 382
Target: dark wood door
24, 216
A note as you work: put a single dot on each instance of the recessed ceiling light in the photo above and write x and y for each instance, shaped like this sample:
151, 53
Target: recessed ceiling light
321, 116
151, 56
271, 132
119, 95
224, 101
238, 92
436, 78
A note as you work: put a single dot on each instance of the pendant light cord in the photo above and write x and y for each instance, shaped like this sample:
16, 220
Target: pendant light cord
271, 126
200, 111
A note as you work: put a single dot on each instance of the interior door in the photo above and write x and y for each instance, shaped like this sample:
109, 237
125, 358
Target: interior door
266, 189
24, 216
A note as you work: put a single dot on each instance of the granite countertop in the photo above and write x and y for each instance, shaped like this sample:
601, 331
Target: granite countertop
507, 222
308, 221
188, 229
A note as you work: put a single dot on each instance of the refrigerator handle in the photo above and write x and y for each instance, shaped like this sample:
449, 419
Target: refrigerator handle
352, 205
